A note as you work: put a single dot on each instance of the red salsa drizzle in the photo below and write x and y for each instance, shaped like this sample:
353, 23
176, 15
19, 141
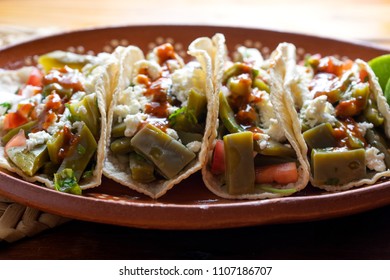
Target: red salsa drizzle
243, 97
54, 106
70, 140
66, 77
55, 101
326, 84
341, 134
328, 81
157, 108
351, 107
164, 53
144, 79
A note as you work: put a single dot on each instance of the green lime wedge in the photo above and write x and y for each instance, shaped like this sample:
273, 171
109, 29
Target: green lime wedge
386, 92
381, 67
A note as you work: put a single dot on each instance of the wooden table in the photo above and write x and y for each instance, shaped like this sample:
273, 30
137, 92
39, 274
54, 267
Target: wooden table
361, 236
349, 19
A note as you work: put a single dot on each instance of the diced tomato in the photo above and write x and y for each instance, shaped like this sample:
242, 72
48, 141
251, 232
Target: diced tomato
34, 114
331, 65
50, 118
246, 116
25, 109
19, 140
347, 65
363, 76
14, 119
283, 173
35, 78
218, 161
54, 103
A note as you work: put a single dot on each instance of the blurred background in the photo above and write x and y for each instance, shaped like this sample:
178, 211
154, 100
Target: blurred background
346, 19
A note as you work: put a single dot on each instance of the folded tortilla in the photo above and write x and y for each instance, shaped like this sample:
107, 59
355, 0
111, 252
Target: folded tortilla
343, 103
166, 137
78, 84
259, 122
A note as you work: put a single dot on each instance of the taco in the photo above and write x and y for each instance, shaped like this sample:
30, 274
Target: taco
341, 120
253, 153
53, 120
159, 118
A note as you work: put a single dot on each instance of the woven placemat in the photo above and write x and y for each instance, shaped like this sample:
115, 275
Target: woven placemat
18, 221
15, 34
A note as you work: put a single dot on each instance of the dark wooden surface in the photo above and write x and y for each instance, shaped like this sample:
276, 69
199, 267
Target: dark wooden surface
361, 236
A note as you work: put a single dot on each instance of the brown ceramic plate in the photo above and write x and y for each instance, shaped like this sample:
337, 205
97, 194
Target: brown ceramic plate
189, 205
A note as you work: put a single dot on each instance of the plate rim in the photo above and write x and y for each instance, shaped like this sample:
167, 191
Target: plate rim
204, 211
357, 42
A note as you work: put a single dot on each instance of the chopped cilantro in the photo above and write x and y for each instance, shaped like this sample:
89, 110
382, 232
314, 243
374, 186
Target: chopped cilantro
6, 105
65, 181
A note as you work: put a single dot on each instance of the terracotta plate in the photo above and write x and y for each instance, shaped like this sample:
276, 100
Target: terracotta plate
189, 205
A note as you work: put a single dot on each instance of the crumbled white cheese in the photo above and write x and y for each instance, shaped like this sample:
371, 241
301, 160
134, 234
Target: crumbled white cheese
190, 76
2, 122
132, 122
37, 98
3, 110
265, 109
262, 140
166, 84
78, 126
275, 131
58, 125
363, 126
172, 109
131, 101
299, 85
78, 95
29, 91
55, 98
173, 65
11, 81
121, 111
375, 159
126, 96
171, 132
154, 70
138, 95
194, 146
37, 138
39, 109
317, 111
